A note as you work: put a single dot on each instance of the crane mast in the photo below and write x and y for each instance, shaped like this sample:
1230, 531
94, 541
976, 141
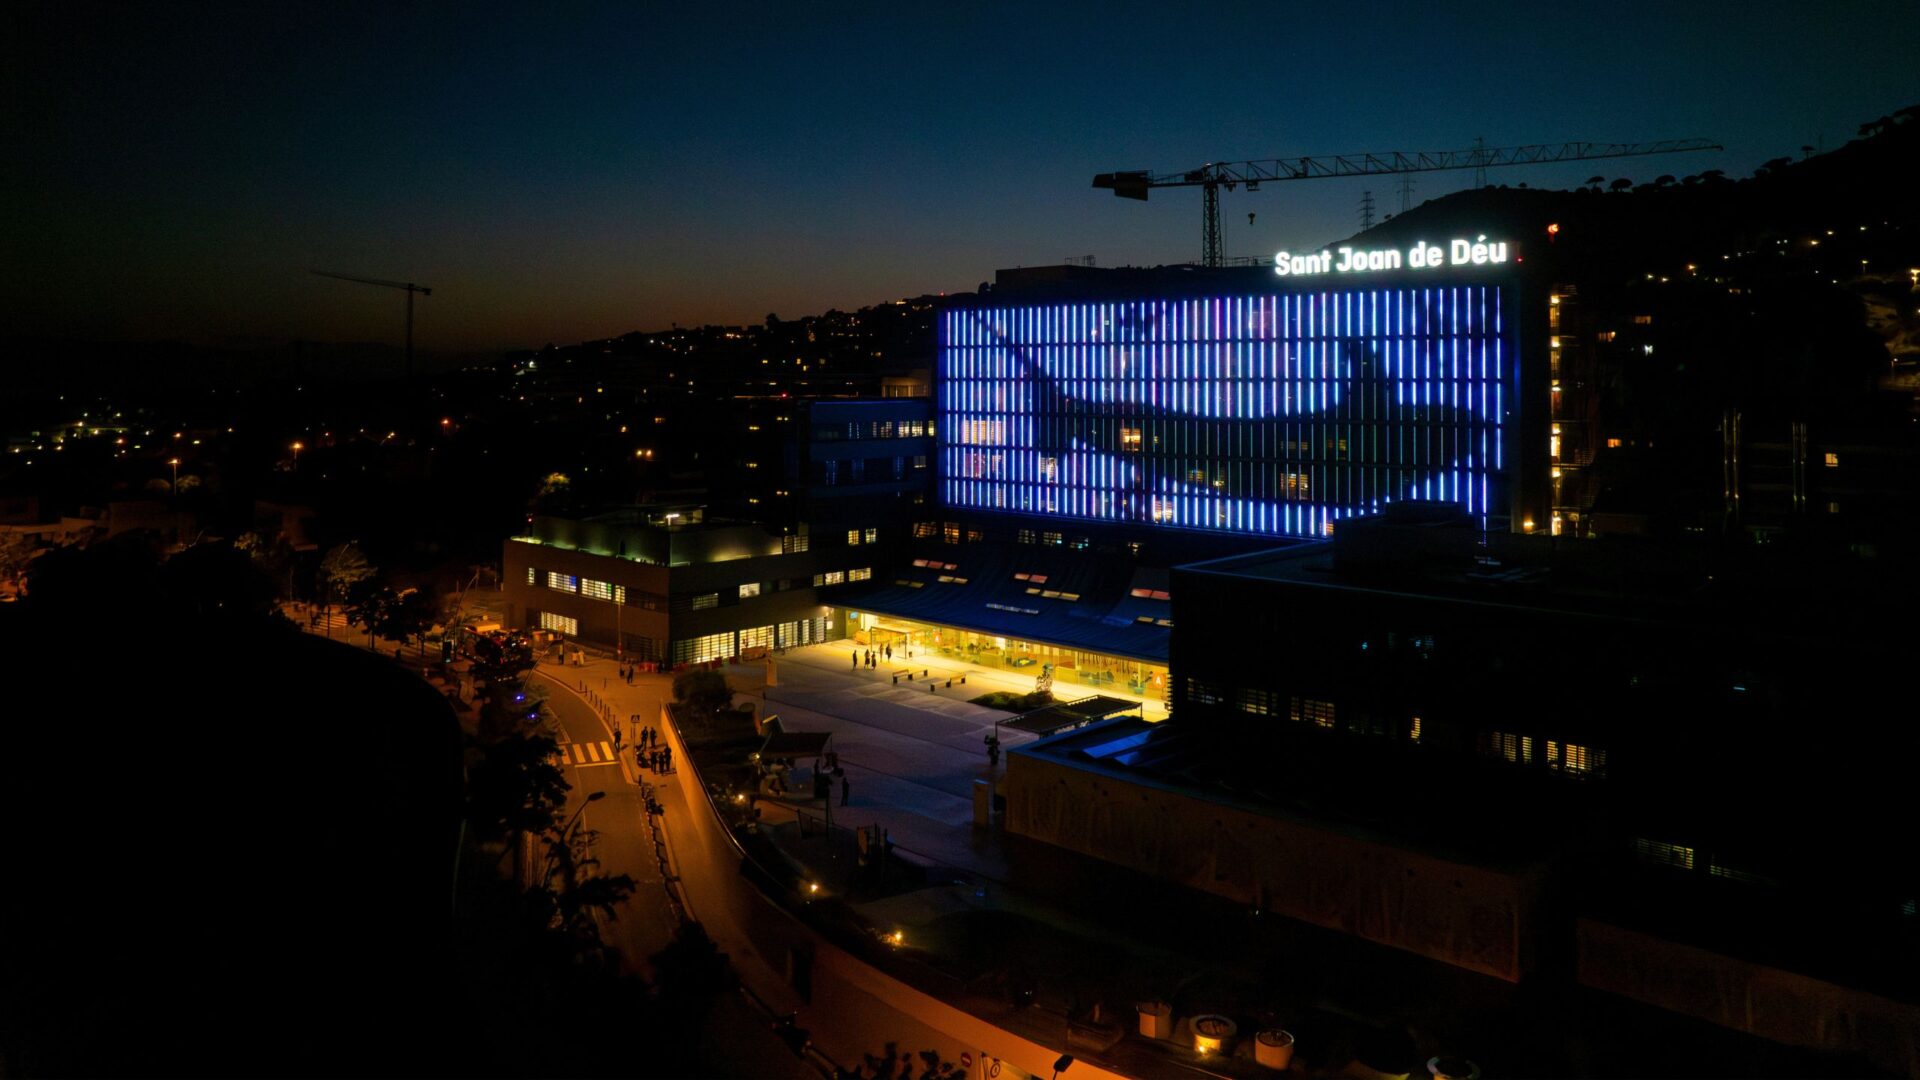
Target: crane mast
1211, 177
410, 288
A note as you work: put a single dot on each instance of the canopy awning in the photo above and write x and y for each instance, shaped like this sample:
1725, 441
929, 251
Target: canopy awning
1065, 716
781, 744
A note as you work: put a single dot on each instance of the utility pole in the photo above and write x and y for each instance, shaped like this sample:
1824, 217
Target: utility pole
1366, 209
410, 288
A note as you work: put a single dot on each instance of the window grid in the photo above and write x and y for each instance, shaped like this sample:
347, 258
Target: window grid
1275, 414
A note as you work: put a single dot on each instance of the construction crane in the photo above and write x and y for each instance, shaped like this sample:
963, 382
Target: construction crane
409, 286
1213, 176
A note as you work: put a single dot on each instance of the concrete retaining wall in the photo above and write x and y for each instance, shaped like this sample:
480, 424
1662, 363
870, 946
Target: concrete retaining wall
1759, 1000
1467, 915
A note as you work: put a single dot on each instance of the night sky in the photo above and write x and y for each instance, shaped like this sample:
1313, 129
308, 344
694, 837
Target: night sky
175, 170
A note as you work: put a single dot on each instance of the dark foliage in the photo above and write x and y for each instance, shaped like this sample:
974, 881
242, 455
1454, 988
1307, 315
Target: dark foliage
233, 841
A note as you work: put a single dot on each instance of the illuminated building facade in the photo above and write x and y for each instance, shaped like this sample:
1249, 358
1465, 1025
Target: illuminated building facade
1268, 413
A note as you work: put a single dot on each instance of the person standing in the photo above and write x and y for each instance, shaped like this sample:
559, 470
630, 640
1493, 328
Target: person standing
889, 652
856, 659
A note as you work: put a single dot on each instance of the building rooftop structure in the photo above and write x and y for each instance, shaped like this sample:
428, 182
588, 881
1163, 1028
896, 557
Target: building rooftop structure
1034, 593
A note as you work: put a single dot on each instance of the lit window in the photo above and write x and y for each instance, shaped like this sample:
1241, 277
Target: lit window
1654, 851
600, 590
1613, 442
1130, 439
563, 582
1515, 748
533, 576
853, 537
565, 624
1577, 760
702, 649
1312, 711
1413, 731
751, 588
706, 600
1833, 460
861, 574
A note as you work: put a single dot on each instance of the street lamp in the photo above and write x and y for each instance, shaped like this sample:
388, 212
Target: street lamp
297, 447
566, 835
175, 462
592, 796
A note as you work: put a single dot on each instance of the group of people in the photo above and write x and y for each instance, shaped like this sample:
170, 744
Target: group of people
626, 673
649, 754
872, 659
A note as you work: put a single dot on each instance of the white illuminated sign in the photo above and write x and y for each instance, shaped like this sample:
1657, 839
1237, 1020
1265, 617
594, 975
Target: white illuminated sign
1421, 256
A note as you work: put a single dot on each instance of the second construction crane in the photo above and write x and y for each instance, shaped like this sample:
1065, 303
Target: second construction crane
409, 286
1213, 176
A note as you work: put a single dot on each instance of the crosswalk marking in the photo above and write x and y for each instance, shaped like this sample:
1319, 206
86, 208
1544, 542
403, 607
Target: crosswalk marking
590, 753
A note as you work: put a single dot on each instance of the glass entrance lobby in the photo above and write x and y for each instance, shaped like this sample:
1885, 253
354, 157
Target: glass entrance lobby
1076, 672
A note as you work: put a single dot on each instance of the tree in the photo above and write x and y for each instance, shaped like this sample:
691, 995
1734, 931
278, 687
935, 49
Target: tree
16, 550
514, 786
572, 893
367, 605
704, 693
891, 1064
341, 569
216, 580
555, 495
405, 616
1621, 184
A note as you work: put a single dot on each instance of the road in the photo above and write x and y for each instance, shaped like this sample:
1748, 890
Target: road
738, 1040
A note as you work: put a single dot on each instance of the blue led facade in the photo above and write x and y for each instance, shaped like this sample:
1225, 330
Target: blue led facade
1269, 413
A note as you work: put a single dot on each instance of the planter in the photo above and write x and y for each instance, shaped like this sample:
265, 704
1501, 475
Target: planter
1453, 1068
1274, 1048
1156, 1018
1213, 1034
